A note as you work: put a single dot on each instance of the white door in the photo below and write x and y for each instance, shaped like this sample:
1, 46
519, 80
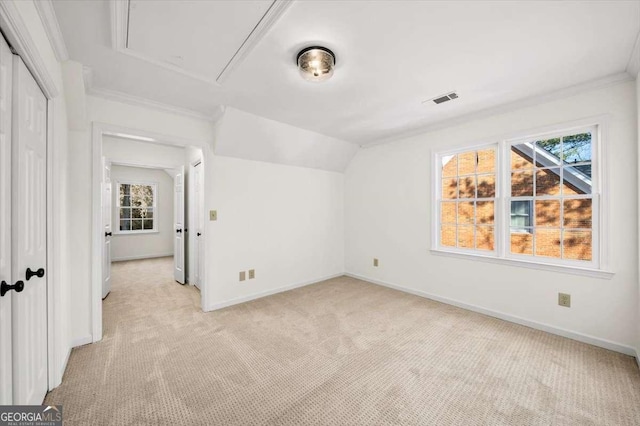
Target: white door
178, 217
107, 198
29, 257
197, 222
6, 68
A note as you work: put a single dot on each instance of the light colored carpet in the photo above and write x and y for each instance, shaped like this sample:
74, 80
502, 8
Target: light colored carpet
341, 352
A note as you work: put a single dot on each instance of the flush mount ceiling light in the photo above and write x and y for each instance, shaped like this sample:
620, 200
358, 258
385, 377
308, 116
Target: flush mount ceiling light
316, 63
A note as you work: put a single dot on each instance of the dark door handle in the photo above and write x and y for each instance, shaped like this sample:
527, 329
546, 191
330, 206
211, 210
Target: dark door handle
108, 234
198, 234
4, 287
39, 273
179, 230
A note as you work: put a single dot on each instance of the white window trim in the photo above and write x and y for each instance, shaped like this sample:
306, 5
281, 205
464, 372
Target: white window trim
599, 267
154, 185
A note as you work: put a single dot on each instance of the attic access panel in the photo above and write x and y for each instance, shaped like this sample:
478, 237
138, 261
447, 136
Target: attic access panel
199, 37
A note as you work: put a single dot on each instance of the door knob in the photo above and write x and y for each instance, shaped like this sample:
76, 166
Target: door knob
108, 234
4, 287
198, 234
39, 273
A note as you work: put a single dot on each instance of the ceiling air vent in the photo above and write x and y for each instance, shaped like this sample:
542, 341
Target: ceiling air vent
443, 98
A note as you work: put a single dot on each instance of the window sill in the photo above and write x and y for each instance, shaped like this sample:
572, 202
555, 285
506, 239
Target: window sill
594, 273
135, 232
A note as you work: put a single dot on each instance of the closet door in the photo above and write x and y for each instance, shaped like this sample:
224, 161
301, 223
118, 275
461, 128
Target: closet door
6, 68
29, 307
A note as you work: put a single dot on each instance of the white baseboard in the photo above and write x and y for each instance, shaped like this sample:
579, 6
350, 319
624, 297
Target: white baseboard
144, 256
81, 341
254, 296
585, 338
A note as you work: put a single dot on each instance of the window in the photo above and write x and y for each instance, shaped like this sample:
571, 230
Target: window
136, 205
468, 200
539, 206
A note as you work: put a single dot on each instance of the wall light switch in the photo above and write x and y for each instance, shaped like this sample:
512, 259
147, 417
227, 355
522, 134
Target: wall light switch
252, 274
242, 276
375, 262
564, 300
213, 215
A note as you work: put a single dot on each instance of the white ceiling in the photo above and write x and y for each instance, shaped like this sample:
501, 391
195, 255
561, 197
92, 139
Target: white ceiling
391, 55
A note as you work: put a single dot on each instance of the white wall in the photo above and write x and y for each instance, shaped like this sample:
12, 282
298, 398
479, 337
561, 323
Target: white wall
285, 222
388, 216
147, 245
251, 137
143, 153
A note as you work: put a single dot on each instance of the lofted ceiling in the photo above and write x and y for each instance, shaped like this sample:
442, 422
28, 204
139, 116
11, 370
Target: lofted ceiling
391, 56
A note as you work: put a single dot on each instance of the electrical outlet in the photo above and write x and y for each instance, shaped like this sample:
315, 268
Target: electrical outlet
375, 262
564, 299
213, 215
252, 274
242, 276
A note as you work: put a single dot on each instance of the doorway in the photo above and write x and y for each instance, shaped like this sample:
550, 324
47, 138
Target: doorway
143, 205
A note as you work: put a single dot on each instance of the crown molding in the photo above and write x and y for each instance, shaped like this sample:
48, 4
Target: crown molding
633, 66
117, 96
19, 38
566, 92
52, 28
271, 16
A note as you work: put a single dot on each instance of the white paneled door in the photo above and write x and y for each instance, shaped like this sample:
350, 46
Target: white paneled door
178, 214
196, 181
6, 67
29, 257
106, 221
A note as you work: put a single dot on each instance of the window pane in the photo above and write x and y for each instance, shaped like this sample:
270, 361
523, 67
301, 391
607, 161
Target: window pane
577, 179
576, 148
466, 213
484, 238
521, 157
521, 213
136, 224
484, 213
547, 242
548, 181
136, 213
147, 224
450, 166
467, 163
449, 188
486, 186
577, 245
149, 214
522, 184
448, 235
467, 186
522, 241
548, 152
125, 225
125, 200
548, 213
578, 213
124, 189
125, 213
448, 212
465, 236
487, 161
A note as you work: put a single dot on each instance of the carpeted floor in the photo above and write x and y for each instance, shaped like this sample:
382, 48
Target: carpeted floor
341, 352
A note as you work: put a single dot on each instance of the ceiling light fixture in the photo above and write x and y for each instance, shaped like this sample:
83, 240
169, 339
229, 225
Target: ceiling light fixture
316, 63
